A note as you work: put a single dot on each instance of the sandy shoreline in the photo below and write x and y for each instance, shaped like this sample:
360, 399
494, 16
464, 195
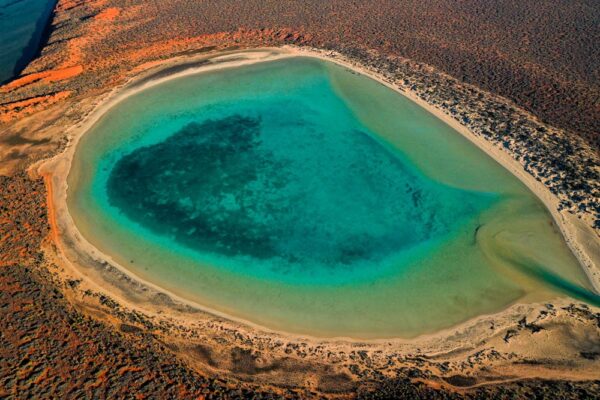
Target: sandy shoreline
56, 170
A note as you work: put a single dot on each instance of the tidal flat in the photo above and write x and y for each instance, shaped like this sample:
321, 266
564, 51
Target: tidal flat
301, 197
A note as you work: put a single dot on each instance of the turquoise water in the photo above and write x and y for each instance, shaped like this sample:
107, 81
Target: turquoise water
22, 24
302, 197
285, 187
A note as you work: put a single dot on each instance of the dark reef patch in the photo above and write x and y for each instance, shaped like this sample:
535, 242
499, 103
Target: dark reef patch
237, 188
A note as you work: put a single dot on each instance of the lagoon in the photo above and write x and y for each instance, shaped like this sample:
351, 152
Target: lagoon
305, 198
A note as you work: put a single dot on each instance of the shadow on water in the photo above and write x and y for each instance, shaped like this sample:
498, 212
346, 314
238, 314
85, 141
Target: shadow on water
563, 285
538, 272
43, 29
505, 256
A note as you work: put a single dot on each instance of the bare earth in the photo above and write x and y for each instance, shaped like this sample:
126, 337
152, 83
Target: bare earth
56, 286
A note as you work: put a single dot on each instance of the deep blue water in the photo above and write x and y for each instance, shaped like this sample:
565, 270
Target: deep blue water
22, 27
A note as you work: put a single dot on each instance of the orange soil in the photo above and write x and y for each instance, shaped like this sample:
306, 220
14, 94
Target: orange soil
157, 49
80, 51
17, 109
53, 234
64, 5
44, 77
109, 14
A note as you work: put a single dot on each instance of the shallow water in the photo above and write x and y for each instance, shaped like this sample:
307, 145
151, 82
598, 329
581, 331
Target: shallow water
302, 197
22, 24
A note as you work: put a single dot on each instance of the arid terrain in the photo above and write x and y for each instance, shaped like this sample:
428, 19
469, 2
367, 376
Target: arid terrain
520, 74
